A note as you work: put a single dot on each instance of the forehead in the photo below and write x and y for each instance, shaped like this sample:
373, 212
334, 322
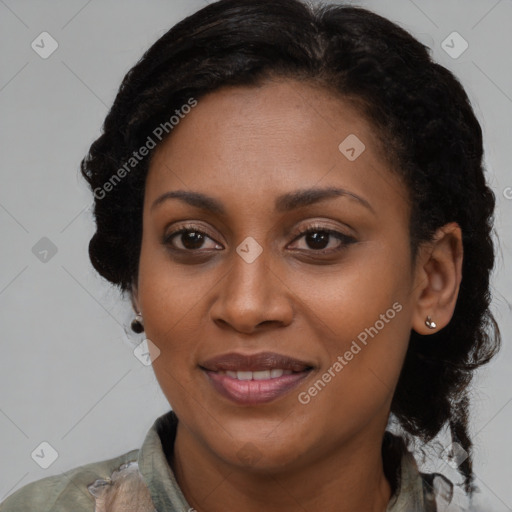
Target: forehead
270, 139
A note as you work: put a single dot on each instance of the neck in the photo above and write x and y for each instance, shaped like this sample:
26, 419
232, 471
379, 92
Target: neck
348, 478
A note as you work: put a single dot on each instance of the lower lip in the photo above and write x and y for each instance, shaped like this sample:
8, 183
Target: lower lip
250, 392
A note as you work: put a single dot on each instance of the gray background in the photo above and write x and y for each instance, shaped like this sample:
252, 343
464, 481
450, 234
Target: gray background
68, 375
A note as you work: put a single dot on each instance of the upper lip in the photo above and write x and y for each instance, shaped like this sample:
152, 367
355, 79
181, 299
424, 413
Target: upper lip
255, 362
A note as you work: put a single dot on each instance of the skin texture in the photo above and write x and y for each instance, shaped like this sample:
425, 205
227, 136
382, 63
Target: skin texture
245, 146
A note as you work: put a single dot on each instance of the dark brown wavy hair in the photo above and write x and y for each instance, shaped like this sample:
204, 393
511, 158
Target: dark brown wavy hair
417, 107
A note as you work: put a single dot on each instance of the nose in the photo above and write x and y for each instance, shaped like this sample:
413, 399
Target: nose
252, 297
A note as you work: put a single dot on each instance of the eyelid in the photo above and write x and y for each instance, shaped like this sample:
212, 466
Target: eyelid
316, 226
188, 227
343, 238
323, 226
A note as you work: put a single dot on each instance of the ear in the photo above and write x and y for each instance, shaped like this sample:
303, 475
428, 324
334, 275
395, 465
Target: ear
438, 275
134, 297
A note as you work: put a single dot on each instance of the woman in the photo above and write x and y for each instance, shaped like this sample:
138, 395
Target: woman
294, 201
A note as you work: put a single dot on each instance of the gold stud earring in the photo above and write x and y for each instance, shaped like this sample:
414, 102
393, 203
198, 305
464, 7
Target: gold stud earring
430, 323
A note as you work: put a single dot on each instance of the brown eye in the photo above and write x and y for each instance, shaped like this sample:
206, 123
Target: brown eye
192, 239
189, 239
318, 239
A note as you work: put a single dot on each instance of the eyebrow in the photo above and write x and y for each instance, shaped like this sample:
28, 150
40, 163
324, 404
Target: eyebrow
283, 203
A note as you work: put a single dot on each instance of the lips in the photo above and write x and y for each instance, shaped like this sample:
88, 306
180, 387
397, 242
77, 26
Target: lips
253, 363
255, 379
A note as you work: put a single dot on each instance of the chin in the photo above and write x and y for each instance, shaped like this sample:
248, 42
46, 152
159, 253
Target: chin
260, 452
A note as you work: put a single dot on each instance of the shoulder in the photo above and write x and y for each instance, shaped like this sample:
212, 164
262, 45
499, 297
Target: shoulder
414, 490
67, 491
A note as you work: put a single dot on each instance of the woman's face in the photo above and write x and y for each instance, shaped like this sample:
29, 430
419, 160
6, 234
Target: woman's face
330, 312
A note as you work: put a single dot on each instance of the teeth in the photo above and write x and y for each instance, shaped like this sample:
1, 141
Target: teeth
259, 375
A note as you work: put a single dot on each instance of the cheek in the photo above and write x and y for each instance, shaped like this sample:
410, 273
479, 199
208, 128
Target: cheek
356, 386
168, 299
351, 297
360, 316
168, 293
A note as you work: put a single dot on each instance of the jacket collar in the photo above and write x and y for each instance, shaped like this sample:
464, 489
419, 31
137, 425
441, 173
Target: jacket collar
412, 491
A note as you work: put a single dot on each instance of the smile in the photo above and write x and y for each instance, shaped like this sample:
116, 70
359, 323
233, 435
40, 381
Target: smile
255, 379
259, 375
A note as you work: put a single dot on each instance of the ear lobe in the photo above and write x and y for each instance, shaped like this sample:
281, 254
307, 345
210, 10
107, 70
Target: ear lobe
134, 297
438, 278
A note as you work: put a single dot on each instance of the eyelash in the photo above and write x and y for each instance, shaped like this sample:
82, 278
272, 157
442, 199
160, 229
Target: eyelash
344, 239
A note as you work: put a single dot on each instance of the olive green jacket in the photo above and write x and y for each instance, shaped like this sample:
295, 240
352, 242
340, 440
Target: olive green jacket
141, 480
